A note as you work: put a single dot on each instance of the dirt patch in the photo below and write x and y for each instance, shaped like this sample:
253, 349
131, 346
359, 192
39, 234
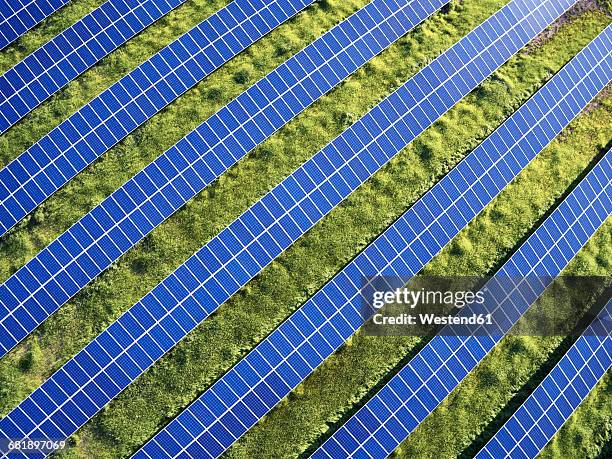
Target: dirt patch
596, 103
591, 107
578, 9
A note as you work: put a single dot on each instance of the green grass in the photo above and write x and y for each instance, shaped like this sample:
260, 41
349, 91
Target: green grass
218, 343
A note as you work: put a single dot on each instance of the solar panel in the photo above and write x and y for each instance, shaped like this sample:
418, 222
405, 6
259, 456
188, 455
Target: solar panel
286, 357
74, 50
185, 298
9, 9
114, 226
19, 16
558, 395
408, 398
58, 156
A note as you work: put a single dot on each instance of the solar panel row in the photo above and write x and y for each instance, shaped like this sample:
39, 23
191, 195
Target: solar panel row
285, 358
19, 16
173, 308
417, 389
74, 50
557, 397
163, 186
58, 156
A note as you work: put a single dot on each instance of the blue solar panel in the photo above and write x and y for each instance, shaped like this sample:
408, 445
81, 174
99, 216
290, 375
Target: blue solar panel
57, 157
286, 357
161, 188
558, 395
73, 51
19, 16
428, 378
199, 286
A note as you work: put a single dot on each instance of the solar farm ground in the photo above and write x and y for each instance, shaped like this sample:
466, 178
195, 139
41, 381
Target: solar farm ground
467, 419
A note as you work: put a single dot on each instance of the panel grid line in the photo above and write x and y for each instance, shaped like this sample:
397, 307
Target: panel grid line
12, 12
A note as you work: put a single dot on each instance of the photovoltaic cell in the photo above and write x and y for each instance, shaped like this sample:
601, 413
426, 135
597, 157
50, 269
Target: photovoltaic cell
161, 188
286, 357
408, 398
173, 308
58, 156
19, 16
74, 50
541, 416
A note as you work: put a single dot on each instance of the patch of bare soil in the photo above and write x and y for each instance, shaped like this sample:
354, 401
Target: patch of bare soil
579, 8
596, 103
